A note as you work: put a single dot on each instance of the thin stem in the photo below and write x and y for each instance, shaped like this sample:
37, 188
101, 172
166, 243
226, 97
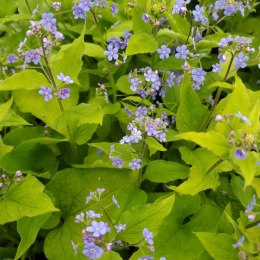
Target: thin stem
49, 76
142, 158
187, 40
252, 224
217, 97
111, 77
214, 166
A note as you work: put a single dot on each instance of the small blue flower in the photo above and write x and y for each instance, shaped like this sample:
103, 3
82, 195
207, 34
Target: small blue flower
240, 154
92, 214
148, 236
224, 42
145, 18
182, 52
46, 92
111, 52
48, 21
114, 200
146, 257
117, 162
11, 58
114, 9
78, 12
216, 68
135, 164
240, 61
98, 228
239, 242
32, 56
92, 251
251, 205
65, 79
64, 93
120, 227
222, 58
243, 118
80, 217
164, 52
198, 14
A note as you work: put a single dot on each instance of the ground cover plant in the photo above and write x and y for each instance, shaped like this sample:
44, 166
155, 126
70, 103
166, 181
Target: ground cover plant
129, 129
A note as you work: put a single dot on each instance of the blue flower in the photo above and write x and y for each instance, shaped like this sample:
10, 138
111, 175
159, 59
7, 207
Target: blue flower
164, 52
120, 227
225, 41
198, 14
216, 68
114, 200
251, 205
151, 75
65, 79
240, 61
239, 242
64, 93
46, 92
78, 12
48, 21
148, 236
11, 58
32, 56
222, 58
145, 18
117, 162
111, 52
240, 154
182, 52
114, 9
80, 217
92, 251
135, 164
98, 228
146, 257
92, 214
243, 118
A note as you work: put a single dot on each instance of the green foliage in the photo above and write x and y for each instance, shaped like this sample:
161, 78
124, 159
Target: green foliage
134, 104
25, 199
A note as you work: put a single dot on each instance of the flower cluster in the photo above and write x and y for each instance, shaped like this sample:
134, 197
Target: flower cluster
237, 47
6, 180
99, 236
61, 94
243, 142
115, 44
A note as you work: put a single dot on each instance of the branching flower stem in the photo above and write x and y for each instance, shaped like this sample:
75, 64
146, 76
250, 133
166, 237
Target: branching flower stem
49, 75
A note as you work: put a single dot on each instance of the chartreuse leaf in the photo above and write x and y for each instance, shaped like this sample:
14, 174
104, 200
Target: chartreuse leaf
8, 117
141, 43
191, 113
28, 229
138, 24
68, 59
164, 171
145, 216
213, 141
198, 181
25, 199
29, 156
219, 246
81, 120
69, 188
94, 50
154, 145
4, 108
246, 167
24, 80
175, 239
32, 102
